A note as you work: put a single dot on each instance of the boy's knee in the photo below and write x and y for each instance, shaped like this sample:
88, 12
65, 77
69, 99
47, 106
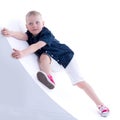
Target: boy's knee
81, 84
44, 58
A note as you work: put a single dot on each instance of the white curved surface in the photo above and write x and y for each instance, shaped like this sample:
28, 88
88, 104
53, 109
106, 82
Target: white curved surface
27, 98
96, 28
20, 97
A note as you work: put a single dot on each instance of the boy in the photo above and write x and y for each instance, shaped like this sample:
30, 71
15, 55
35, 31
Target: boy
43, 43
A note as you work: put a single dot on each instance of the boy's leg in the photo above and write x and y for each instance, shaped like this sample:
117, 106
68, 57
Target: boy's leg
44, 63
74, 73
104, 111
89, 91
44, 75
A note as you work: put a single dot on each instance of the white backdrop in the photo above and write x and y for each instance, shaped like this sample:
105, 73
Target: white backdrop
92, 29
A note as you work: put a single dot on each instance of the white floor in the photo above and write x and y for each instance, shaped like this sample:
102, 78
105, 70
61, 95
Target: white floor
92, 30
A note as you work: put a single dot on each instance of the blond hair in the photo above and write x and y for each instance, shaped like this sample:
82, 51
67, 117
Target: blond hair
34, 13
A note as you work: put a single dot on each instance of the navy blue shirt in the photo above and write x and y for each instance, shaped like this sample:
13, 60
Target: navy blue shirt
60, 52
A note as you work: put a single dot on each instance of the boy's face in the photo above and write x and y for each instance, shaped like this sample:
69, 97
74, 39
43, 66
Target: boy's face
34, 24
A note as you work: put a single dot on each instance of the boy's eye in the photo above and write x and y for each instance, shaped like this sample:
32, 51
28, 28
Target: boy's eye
30, 23
37, 22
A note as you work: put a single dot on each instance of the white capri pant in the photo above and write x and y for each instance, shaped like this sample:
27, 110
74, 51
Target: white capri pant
72, 70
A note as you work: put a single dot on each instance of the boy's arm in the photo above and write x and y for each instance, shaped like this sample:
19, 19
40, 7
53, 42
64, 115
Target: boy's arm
22, 36
31, 49
34, 47
17, 35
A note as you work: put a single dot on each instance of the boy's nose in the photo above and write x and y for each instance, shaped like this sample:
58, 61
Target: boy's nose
34, 25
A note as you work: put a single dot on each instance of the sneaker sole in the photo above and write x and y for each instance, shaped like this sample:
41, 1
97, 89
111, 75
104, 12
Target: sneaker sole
105, 114
43, 79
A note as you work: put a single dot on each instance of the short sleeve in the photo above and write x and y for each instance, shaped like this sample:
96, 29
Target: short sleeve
46, 36
28, 34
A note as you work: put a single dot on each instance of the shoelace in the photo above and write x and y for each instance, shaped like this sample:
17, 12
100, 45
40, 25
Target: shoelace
51, 78
103, 109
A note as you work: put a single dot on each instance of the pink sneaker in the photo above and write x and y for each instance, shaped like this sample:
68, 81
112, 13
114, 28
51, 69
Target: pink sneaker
104, 111
45, 79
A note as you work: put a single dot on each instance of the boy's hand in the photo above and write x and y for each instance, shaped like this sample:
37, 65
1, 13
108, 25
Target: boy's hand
17, 54
5, 32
